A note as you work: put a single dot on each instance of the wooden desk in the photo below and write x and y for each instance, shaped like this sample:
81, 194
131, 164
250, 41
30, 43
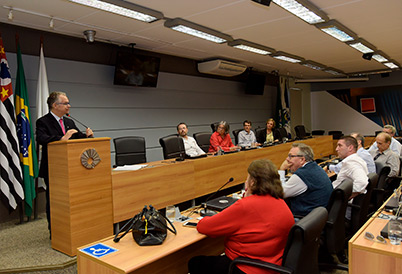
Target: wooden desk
167, 184
170, 257
368, 257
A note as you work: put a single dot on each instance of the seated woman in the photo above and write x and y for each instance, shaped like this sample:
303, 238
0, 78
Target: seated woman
268, 135
256, 226
221, 139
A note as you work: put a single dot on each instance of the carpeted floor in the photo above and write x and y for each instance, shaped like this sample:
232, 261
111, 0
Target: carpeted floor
27, 248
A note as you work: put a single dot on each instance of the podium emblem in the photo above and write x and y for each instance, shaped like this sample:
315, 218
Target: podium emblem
90, 158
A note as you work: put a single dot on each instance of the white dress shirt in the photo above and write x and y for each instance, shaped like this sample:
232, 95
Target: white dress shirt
246, 139
365, 155
191, 147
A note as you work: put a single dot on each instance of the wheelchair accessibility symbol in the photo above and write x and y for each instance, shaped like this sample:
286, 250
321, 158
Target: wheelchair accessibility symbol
98, 250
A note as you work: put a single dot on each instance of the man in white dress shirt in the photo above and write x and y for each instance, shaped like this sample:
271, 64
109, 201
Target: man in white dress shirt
247, 136
362, 152
395, 146
190, 145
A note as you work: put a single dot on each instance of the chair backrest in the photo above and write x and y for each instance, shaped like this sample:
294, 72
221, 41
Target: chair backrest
334, 231
214, 126
203, 140
172, 146
259, 134
378, 195
300, 131
301, 251
362, 202
236, 135
318, 132
336, 134
281, 132
129, 150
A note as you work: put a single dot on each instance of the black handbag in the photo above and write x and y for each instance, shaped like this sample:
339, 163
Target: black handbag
149, 227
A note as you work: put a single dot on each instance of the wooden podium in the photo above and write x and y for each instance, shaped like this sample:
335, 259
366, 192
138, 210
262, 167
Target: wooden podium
80, 192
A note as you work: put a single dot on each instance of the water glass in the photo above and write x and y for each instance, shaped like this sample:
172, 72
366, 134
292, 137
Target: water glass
395, 232
170, 213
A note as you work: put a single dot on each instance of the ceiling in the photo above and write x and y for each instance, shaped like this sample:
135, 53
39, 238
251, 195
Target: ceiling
378, 22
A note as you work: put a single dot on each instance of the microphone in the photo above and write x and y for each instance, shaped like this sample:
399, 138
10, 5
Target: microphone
204, 205
69, 116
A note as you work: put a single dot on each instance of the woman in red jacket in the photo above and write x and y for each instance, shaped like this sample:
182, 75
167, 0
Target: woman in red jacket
256, 226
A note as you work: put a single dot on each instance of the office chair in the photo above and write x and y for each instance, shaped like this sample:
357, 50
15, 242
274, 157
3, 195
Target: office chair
214, 126
236, 135
203, 140
281, 132
318, 132
360, 207
333, 237
259, 134
129, 150
336, 134
301, 250
173, 147
378, 195
300, 132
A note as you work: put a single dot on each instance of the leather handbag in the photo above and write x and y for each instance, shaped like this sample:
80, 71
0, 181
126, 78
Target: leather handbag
149, 227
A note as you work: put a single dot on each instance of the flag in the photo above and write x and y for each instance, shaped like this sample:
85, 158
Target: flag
42, 92
11, 176
29, 161
282, 116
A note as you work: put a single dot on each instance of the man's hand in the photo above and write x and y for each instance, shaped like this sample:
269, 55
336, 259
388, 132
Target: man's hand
285, 165
89, 132
68, 134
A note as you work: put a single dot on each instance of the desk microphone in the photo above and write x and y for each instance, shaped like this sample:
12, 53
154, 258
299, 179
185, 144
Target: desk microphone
69, 116
205, 211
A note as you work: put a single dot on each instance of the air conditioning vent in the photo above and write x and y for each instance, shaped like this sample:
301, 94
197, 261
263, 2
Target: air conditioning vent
221, 67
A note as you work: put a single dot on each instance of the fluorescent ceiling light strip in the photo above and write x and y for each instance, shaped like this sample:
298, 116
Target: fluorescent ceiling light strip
379, 58
109, 7
252, 49
391, 65
338, 34
288, 59
312, 66
300, 11
199, 34
362, 48
333, 72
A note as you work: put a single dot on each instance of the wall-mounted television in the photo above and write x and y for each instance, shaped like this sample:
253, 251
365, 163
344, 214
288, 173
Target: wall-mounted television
255, 83
136, 70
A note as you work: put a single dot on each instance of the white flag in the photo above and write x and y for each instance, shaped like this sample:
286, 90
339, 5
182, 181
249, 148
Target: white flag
42, 92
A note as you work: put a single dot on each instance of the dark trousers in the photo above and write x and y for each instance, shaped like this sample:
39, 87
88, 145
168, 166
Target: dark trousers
46, 179
211, 265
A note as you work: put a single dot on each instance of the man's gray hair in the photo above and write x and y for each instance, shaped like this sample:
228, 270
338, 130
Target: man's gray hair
305, 150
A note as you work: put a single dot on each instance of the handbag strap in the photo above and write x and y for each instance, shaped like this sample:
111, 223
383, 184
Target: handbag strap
129, 225
173, 229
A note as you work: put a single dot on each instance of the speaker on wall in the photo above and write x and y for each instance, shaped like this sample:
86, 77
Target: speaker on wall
255, 83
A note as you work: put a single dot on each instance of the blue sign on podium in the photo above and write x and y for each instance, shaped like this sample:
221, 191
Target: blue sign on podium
98, 250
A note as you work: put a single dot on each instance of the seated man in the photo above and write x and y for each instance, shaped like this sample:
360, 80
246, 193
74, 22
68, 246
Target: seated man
353, 167
190, 145
395, 145
385, 155
309, 186
363, 153
247, 136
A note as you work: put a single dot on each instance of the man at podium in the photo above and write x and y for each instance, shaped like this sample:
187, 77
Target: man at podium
54, 126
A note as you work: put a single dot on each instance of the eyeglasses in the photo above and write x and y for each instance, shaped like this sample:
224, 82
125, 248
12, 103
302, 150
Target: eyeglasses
66, 103
293, 156
379, 238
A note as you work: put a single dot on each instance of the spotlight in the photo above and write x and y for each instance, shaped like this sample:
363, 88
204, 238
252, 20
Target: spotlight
90, 36
367, 56
51, 23
263, 2
10, 15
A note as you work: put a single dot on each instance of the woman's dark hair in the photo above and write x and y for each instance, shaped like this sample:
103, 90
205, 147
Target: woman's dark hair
266, 180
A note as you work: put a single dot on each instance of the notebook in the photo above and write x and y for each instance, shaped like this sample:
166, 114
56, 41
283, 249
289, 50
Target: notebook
220, 203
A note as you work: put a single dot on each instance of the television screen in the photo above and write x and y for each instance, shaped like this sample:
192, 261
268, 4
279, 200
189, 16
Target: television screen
255, 83
136, 70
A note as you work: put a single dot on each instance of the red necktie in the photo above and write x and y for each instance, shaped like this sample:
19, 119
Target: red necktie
62, 126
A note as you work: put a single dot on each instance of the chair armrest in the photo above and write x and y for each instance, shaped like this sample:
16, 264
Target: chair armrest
354, 206
258, 263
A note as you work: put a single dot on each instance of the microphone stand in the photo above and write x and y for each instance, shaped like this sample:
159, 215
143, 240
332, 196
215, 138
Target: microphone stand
204, 205
68, 116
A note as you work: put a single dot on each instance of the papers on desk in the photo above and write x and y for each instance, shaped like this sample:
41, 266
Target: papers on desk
130, 167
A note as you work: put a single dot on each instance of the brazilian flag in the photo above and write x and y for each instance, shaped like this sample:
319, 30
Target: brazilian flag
28, 158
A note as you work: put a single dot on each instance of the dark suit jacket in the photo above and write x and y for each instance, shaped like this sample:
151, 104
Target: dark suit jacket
261, 135
49, 130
